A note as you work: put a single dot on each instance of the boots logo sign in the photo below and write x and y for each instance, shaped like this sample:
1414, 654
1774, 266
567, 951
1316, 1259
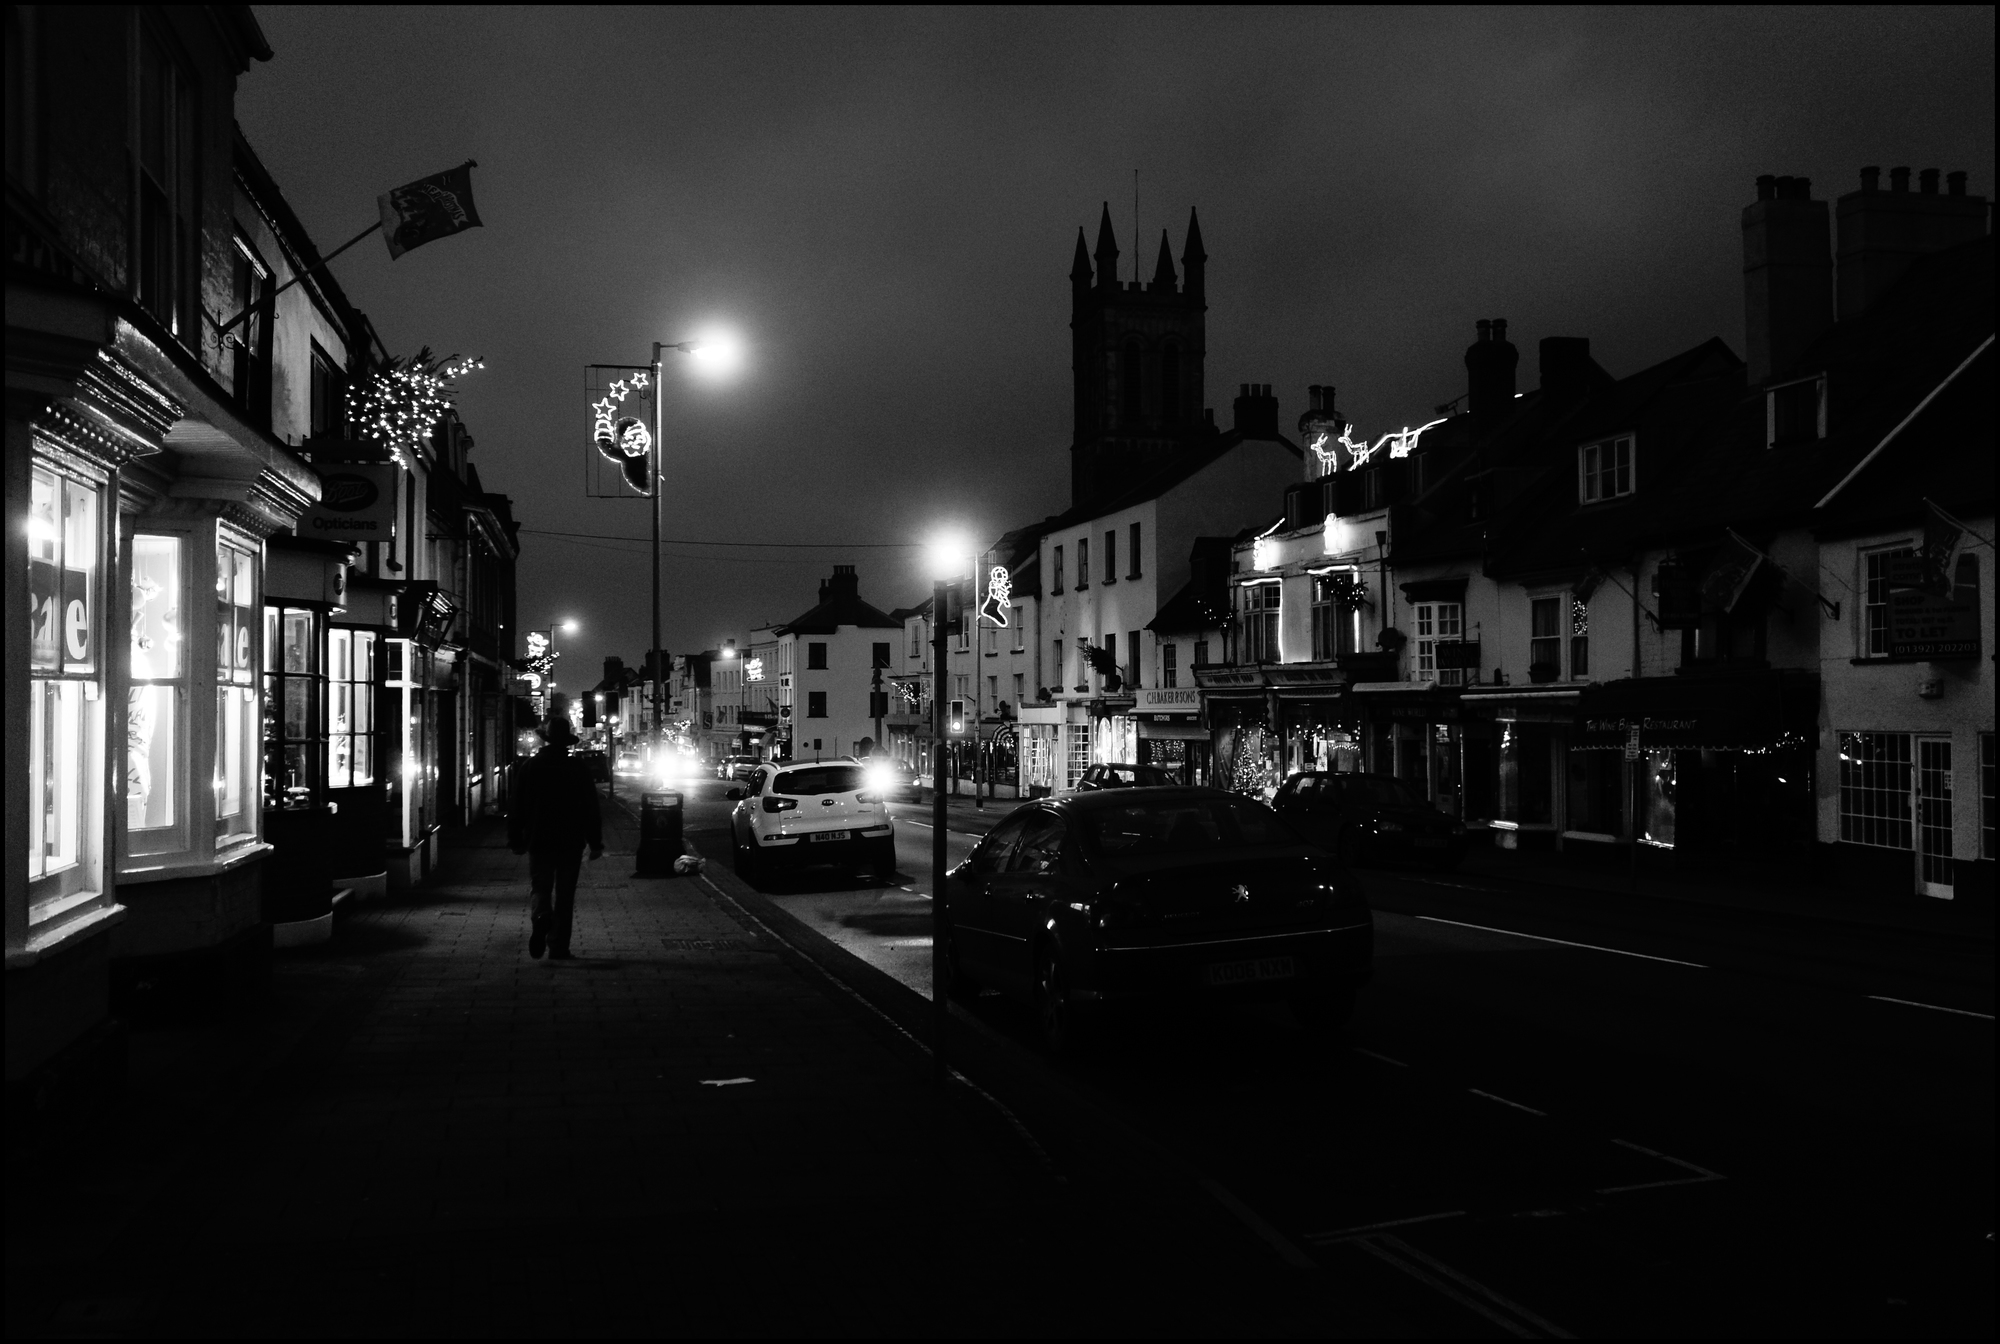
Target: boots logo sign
356, 500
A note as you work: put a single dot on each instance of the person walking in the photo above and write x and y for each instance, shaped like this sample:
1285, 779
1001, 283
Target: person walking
553, 817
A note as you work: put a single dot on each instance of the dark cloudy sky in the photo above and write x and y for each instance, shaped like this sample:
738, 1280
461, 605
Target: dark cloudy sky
884, 204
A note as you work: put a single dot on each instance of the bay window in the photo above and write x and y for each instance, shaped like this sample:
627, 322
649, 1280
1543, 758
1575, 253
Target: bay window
65, 691
237, 625
156, 702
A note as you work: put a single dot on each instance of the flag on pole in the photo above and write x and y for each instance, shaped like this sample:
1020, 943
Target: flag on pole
428, 209
1729, 576
1944, 538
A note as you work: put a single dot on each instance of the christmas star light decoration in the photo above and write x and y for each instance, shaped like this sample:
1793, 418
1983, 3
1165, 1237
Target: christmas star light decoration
399, 406
604, 412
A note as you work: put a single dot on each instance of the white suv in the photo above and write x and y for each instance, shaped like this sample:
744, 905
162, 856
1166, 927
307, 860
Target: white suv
790, 815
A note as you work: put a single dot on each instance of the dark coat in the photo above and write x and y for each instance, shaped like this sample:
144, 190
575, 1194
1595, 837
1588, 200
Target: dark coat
554, 805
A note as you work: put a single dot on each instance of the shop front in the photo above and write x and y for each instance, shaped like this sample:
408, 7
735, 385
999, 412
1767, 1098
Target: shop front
1715, 768
1246, 748
1170, 734
1114, 732
1318, 723
1040, 730
1415, 731
1513, 761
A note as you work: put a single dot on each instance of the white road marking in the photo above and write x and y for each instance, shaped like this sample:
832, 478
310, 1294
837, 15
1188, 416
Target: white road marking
1384, 1058
1562, 942
1504, 1102
908, 942
1277, 1240
1469, 1293
1934, 1007
1702, 1175
725, 1082
1377, 1227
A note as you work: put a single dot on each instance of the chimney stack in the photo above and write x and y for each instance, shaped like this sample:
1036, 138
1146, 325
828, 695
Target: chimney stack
1256, 411
1489, 369
1882, 233
1787, 276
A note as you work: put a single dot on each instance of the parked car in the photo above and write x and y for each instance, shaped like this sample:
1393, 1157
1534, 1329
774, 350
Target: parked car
794, 815
736, 767
1078, 903
894, 779
1365, 817
1126, 777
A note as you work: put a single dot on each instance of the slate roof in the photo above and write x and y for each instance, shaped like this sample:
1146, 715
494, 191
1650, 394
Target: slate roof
837, 610
1171, 473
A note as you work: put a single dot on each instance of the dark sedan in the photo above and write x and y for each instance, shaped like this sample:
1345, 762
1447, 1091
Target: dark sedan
1076, 903
1364, 817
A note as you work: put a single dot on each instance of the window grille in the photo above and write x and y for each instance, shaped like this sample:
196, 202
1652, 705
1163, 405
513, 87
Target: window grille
1875, 600
1605, 469
1875, 780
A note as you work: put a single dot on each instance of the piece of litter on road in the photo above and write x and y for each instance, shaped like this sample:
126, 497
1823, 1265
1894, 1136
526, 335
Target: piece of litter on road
725, 1082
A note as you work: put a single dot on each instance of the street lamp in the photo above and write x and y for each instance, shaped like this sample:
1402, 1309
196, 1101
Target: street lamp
568, 628
946, 561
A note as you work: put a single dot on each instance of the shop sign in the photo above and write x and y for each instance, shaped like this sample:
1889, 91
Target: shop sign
1167, 702
1933, 625
1632, 742
357, 501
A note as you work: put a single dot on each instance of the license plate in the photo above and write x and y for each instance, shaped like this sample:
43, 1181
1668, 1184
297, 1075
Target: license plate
831, 835
1245, 972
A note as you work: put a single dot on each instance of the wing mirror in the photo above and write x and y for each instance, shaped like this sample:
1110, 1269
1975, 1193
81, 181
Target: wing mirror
735, 795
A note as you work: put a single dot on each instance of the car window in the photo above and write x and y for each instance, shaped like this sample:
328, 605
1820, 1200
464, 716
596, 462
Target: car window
998, 846
818, 779
1181, 826
1041, 843
1390, 792
757, 783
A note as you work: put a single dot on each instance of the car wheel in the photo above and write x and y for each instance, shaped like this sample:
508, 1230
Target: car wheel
1324, 1012
1065, 1023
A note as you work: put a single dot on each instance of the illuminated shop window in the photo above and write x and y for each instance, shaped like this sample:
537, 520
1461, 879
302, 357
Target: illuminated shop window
350, 708
156, 704
294, 689
237, 622
65, 708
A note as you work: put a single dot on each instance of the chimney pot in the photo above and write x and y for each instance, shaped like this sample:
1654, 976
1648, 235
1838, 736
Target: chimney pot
1899, 179
1955, 183
1485, 326
1314, 398
1927, 181
1499, 328
1871, 179
1489, 369
1243, 389
1767, 187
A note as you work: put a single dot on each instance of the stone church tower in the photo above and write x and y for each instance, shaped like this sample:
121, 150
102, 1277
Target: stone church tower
1137, 360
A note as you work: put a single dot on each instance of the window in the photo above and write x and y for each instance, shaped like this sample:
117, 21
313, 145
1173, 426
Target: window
156, 704
1795, 413
1135, 669
1020, 628
916, 639
1201, 653
295, 719
65, 711
1579, 638
1875, 599
815, 657
1020, 689
1170, 386
250, 342
1875, 780
1169, 672
1604, 470
815, 704
1438, 623
1545, 638
1260, 623
350, 708
1111, 653
1371, 487
1111, 556
993, 690
329, 394
236, 641
881, 655
166, 124
1056, 572
1325, 620
1079, 751
1056, 664
1132, 563
1083, 562
1128, 380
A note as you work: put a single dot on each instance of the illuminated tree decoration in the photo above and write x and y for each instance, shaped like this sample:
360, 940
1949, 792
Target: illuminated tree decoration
999, 587
1348, 590
399, 406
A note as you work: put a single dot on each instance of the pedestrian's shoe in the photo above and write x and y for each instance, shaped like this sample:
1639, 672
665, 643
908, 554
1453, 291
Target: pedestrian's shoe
538, 940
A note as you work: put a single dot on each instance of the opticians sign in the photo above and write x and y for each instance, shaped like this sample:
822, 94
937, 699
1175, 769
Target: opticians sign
357, 502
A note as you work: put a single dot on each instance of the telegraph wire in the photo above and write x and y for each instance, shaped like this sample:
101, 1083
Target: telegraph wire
749, 545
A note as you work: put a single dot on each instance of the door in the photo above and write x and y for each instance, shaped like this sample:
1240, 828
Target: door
969, 901
1934, 863
1017, 895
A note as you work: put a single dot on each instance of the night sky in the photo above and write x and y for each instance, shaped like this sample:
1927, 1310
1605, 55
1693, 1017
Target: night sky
883, 206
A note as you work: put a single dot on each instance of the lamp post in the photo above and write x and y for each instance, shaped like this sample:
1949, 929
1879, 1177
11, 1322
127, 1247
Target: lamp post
568, 628
946, 557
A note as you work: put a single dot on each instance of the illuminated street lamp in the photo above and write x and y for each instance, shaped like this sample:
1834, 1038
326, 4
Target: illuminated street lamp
945, 559
568, 628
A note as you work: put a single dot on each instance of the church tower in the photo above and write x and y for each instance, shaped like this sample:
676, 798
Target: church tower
1137, 350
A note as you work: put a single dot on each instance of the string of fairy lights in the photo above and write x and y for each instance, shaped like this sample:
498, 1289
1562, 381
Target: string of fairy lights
401, 404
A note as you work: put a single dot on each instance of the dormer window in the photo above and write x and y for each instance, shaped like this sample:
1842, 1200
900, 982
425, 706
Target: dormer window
1795, 413
1605, 470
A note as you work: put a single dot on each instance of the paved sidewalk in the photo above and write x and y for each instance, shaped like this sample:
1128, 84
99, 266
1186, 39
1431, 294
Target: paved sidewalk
685, 1131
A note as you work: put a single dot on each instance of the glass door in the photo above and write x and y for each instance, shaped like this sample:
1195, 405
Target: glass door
1934, 861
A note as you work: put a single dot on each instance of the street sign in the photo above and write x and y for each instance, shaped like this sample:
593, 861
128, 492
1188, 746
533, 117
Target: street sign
1632, 743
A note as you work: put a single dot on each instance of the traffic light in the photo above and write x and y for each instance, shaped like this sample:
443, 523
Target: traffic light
955, 718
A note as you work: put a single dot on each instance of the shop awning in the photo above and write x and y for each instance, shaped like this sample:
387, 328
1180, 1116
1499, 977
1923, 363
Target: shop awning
1752, 711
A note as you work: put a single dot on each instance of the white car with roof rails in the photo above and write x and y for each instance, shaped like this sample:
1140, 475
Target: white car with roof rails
792, 814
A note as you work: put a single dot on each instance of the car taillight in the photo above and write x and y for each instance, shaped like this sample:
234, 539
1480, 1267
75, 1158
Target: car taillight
781, 804
867, 797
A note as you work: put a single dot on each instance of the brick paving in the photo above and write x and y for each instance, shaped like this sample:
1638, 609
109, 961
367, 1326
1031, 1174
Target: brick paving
424, 1131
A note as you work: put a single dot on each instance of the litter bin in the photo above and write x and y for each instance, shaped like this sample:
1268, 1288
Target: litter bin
659, 833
